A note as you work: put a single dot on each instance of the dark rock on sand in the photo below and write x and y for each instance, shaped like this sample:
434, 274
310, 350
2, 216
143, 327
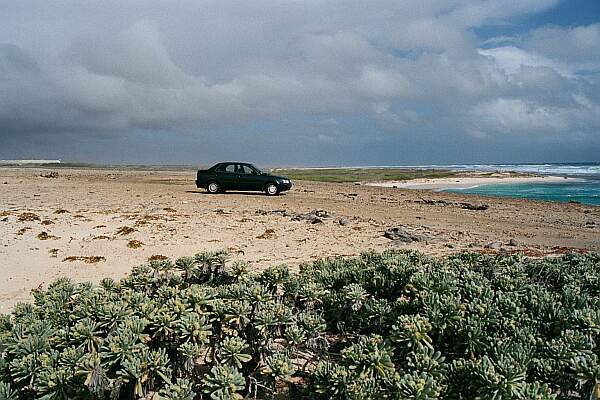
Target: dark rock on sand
475, 207
400, 235
314, 217
50, 174
464, 205
494, 245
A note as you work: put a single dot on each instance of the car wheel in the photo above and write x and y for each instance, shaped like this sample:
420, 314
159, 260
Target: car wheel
271, 189
213, 188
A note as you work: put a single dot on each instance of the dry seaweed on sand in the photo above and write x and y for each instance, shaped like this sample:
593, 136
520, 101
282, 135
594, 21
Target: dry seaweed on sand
53, 252
61, 211
170, 210
21, 231
46, 236
47, 222
157, 257
28, 216
147, 219
85, 259
101, 237
268, 234
150, 217
134, 244
125, 230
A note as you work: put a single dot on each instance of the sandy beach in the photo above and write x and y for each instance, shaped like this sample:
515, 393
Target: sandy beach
89, 224
468, 181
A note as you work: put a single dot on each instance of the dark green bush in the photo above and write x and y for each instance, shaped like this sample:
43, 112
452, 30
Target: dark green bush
382, 326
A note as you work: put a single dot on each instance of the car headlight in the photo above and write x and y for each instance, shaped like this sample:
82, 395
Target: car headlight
285, 181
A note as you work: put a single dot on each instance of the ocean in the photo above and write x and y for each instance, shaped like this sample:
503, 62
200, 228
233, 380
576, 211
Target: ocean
585, 190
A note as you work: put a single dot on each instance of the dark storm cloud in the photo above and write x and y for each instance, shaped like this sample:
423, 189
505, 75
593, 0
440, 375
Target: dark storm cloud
349, 74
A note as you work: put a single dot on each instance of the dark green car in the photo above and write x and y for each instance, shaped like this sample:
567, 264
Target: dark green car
240, 176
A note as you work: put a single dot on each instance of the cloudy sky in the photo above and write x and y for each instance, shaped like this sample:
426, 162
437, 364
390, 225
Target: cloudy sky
300, 82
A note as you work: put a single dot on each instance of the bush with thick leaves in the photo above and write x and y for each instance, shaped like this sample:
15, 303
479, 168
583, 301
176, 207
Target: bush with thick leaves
391, 325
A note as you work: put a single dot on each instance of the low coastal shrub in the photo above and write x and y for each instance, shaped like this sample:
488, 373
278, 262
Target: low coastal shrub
392, 325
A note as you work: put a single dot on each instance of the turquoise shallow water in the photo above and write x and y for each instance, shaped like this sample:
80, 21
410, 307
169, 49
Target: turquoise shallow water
585, 191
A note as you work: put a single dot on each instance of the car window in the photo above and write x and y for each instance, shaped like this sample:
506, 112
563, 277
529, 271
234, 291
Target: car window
229, 168
245, 169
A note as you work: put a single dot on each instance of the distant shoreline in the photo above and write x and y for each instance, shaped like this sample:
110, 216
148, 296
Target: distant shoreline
440, 184
433, 177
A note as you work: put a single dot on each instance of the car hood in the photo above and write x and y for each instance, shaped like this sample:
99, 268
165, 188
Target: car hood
275, 176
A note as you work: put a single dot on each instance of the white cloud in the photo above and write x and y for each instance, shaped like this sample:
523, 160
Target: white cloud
412, 68
476, 13
511, 59
136, 54
519, 117
579, 44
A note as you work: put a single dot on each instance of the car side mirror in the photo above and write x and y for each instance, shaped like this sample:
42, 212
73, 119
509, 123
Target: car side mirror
253, 172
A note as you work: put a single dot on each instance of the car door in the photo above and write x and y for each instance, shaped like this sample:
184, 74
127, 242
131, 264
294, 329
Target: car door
227, 176
249, 179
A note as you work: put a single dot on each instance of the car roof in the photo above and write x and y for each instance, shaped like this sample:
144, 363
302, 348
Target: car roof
234, 162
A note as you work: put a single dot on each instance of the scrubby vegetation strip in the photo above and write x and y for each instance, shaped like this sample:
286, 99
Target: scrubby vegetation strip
340, 175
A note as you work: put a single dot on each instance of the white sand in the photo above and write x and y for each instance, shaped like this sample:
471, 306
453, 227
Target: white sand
82, 210
466, 182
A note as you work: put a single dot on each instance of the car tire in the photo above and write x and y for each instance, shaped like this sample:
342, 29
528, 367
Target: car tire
271, 189
213, 187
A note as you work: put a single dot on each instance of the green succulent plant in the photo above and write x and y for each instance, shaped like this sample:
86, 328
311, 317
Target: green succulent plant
224, 383
279, 367
7, 392
418, 386
192, 327
182, 389
371, 357
234, 352
412, 332
393, 325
